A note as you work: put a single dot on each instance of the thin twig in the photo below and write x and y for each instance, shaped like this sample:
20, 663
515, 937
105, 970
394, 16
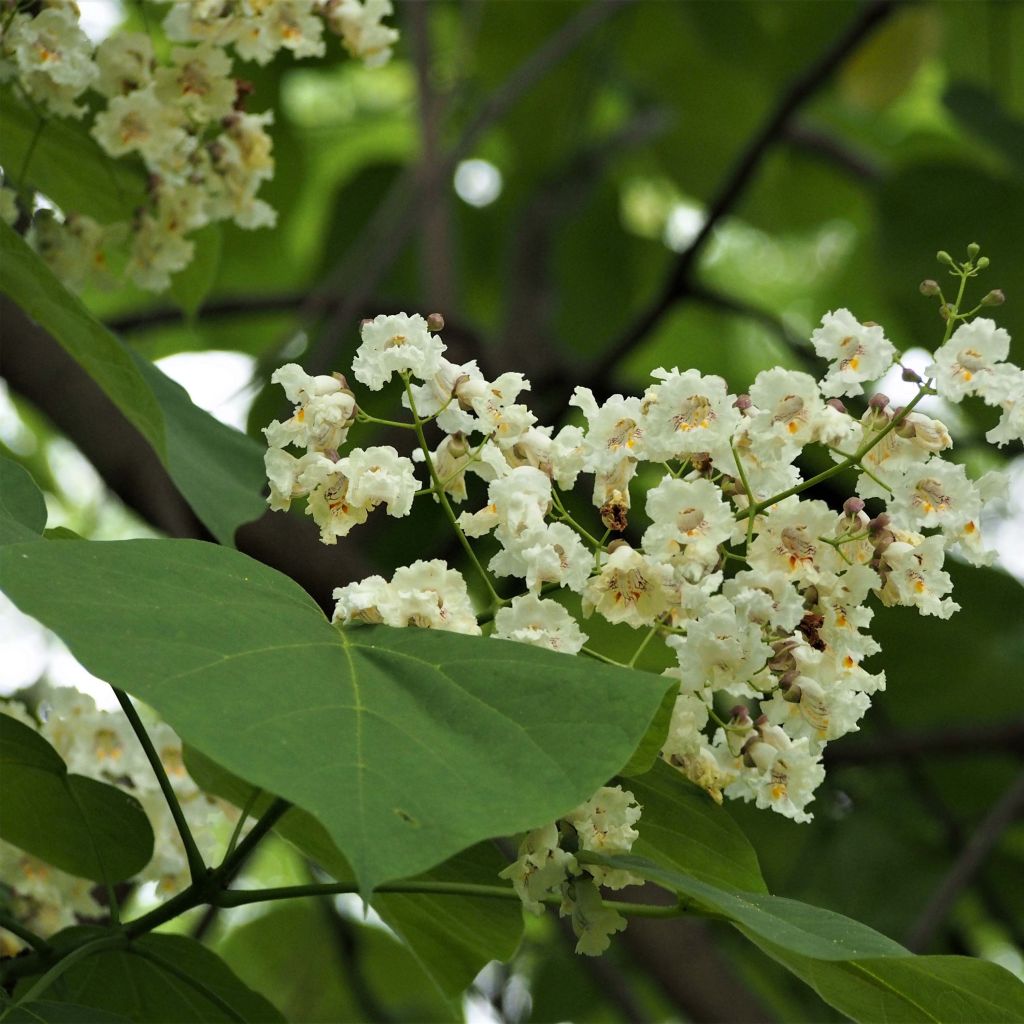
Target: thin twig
803, 89
983, 841
196, 865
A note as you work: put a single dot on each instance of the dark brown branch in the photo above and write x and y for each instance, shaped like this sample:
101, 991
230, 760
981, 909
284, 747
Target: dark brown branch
963, 741
215, 309
819, 143
802, 90
984, 840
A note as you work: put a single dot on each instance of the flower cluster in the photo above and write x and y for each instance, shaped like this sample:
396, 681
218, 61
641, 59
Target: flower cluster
761, 597
101, 745
548, 865
206, 157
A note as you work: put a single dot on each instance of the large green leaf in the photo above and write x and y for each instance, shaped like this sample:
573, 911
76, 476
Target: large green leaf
803, 929
946, 989
160, 978
452, 937
33, 286
22, 507
67, 164
217, 468
854, 968
408, 745
79, 825
189, 287
683, 829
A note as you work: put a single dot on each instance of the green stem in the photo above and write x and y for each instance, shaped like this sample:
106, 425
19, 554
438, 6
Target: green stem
443, 498
242, 819
643, 644
597, 656
566, 517
29, 153
751, 509
267, 820
365, 417
196, 866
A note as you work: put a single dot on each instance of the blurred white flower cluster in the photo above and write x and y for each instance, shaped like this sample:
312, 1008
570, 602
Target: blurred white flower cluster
205, 156
760, 594
101, 745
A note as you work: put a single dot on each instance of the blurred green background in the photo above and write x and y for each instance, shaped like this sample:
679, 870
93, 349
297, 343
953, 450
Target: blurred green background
538, 172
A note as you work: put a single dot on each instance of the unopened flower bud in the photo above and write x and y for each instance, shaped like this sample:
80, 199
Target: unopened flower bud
616, 544
743, 403
972, 250
879, 523
946, 310
435, 323
701, 462
911, 376
996, 297
836, 404
929, 287
943, 257
740, 715
853, 505
879, 402
983, 263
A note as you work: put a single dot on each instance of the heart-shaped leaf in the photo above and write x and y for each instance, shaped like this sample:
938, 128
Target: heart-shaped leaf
408, 745
22, 508
84, 827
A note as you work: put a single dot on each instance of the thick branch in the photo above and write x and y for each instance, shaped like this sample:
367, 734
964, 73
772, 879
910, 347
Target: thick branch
802, 90
962, 741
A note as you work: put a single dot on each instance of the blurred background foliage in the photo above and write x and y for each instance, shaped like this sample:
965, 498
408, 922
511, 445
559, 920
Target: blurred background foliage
540, 174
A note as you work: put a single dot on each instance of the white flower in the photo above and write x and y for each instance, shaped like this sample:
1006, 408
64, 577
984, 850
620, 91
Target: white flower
54, 58
1006, 390
242, 159
789, 539
324, 410
567, 456
283, 473
125, 63
689, 519
612, 445
517, 502
858, 352
782, 774
687, 414
543, 553
369, 601
447, 395
78, 251
913, 574
283, 24
432, 596
630, 588
199, 81
532, 620
604, 824
358, 22
767, 598
541, 867
722, 650
966, 364
140, 122
498, 414
396, 344
592, 922
787, 408
343, 493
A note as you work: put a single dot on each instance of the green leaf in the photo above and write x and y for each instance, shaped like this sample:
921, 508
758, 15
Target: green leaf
408, 745
980, 113
79, 825
284, 951
645, 757
190, 286
798, 927
22, 507
452, 937
67, 164
46, 1011
683, 829
946, 989
33, 286
160, 978
218, 469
